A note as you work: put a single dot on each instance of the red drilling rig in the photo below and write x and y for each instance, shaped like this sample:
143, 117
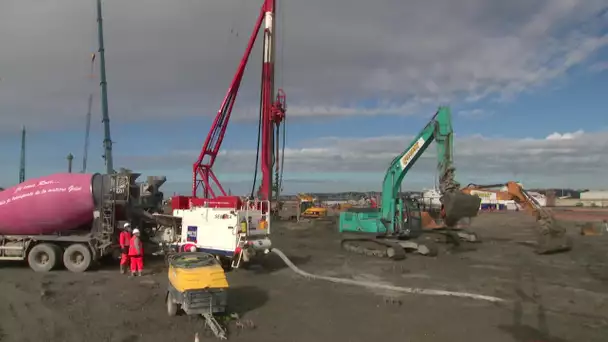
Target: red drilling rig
226, 226
272, 114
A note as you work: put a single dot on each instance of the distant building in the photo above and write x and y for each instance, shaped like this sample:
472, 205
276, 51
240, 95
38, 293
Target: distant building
489, 199
331, 203
599, 195
430, 198
594, 198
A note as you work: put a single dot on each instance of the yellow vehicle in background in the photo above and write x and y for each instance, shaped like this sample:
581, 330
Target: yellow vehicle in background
304, 206
198, 286
309, 207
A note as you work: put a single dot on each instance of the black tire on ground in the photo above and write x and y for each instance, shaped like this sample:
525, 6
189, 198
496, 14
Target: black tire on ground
171, 305
43, 257
77, 258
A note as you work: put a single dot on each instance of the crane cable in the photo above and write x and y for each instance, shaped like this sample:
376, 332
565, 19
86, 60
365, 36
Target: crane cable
280, 180
281, 39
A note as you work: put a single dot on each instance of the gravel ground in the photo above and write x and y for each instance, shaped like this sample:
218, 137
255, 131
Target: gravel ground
550, 298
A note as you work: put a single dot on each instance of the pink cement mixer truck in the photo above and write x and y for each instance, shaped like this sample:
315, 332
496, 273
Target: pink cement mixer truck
67, 218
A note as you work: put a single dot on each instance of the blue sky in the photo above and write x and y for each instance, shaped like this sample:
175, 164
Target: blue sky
551, 79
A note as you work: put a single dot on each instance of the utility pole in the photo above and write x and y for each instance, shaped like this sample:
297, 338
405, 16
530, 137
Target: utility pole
70, 159
22, 162
107, 140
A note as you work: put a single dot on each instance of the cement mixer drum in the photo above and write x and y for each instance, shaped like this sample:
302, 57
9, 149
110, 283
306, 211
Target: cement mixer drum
51, 204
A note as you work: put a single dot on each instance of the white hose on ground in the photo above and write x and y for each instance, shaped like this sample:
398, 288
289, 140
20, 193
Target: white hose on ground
370, 284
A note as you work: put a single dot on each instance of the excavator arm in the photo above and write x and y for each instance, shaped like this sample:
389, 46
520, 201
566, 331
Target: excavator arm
552, 236
389, 224
456, 204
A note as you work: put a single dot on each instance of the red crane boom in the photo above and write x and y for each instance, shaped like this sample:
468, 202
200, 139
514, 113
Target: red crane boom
272, 114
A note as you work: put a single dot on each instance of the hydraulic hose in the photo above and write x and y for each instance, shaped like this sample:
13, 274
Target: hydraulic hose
369, 284
260, 117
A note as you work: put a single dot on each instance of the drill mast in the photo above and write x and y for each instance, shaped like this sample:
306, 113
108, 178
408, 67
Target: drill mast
271, 116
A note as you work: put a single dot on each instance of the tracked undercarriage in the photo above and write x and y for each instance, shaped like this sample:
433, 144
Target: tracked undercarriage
396, 249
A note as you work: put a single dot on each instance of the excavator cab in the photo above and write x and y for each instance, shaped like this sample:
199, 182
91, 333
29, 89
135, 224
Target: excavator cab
410, 222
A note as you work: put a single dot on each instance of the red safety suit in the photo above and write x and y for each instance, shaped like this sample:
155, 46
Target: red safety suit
136, 254
124, 238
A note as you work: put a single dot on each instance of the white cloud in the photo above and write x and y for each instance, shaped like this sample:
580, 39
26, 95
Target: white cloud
176, 58
575, 159
475, 113
565, 136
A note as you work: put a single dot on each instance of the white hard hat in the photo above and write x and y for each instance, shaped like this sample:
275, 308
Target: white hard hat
135, 231
127, 225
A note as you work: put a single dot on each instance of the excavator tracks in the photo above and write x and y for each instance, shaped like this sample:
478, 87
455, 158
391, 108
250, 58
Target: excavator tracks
374, 247
397, 249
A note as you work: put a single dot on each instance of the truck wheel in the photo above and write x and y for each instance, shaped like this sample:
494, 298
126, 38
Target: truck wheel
43, 257
77, 258
171, 305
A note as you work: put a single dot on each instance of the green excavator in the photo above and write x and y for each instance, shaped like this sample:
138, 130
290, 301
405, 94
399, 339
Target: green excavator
400, 220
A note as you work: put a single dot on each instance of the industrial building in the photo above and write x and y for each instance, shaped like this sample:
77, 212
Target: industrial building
594, 198
597, 195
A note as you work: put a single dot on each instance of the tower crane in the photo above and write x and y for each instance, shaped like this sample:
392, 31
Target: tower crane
107, 139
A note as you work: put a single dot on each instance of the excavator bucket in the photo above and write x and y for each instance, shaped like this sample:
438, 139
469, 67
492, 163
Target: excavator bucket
458, 205
552, 237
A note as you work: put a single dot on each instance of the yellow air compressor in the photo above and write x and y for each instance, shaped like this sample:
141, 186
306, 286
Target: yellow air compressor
197, 284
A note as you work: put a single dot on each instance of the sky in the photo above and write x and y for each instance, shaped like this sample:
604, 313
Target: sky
526, 81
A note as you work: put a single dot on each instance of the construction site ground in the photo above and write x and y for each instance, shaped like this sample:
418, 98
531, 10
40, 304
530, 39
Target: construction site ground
550, 298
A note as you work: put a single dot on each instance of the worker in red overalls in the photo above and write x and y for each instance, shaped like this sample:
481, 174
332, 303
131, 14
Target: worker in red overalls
124, 238
136, 254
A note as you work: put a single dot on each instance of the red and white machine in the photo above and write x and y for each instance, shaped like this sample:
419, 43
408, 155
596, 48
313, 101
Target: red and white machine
228, 226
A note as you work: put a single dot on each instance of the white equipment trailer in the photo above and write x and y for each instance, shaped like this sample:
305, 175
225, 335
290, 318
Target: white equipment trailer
236, 234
